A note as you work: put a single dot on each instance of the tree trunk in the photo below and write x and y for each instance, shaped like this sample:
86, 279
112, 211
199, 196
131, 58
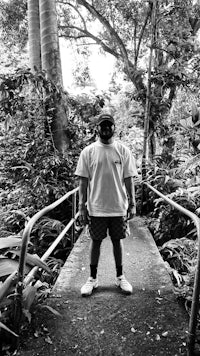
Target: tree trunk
148, 108
51, 63
34, 35
50, 50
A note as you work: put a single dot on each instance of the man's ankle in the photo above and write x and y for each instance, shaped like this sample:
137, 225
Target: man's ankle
93, 271
119, 270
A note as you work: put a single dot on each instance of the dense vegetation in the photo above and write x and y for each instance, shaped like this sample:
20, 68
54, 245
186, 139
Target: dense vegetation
31, 168
33, 173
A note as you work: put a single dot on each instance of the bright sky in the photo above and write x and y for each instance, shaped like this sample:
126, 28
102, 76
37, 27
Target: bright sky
101, 67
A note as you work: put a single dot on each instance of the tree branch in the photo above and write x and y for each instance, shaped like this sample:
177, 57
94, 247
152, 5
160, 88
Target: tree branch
86, 33
129, 67
110, 29
168, 52
142, 32
75, 9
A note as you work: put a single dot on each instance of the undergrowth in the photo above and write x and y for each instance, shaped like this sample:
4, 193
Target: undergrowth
33, 174
175, 233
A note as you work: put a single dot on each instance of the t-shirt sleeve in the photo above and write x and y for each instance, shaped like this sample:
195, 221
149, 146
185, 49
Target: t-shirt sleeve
130, 169
82, 166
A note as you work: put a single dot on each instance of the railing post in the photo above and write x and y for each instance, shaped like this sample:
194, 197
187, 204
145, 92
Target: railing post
73, 217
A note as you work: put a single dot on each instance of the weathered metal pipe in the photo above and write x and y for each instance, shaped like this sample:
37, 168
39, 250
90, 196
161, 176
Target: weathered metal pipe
196, 289
25, 241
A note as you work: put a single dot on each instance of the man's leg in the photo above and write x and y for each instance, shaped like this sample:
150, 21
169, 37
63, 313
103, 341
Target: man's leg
117, 231
92, 281
118, 255
94, 257
97, 229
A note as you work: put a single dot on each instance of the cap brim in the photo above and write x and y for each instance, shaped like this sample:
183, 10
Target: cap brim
102, 120
105, 118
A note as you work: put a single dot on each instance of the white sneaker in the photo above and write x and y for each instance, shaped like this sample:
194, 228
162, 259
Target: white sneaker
88, 287
125, 286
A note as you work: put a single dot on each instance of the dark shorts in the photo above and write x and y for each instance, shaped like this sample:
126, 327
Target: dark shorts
115, 226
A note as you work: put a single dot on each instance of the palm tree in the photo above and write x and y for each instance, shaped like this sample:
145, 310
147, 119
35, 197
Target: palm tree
34, 35
51, 63
49, 41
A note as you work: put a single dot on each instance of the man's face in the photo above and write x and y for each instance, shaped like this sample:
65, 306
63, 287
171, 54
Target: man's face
106, 130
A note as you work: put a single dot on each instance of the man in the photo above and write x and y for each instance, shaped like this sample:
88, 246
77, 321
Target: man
106, 169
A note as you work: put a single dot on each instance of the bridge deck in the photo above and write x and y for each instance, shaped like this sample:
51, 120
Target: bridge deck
150, 322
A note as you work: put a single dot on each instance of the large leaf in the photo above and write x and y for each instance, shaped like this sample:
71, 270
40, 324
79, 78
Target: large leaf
28, 296
10, 241
52, 310
8, 266
3, 326
187, 122
34, 260
8, 284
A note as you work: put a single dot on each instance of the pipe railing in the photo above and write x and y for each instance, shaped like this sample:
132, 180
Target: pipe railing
25, 240
26, 237
196, 289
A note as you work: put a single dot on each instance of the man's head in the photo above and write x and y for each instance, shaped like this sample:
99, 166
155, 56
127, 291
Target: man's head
106, 126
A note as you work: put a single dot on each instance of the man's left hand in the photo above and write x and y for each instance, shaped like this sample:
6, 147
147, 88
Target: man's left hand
131, 212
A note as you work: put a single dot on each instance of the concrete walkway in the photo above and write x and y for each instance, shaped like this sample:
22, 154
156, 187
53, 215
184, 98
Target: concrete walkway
150, 322
143, 265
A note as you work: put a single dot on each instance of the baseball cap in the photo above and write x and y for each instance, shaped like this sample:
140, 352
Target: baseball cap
105, 117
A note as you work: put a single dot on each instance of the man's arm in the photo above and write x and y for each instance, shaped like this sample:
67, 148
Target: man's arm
130, 187
83, 184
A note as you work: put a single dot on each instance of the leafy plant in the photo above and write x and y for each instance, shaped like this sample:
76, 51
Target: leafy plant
30, 167
8, 275
33, 175
180, 182
180, 256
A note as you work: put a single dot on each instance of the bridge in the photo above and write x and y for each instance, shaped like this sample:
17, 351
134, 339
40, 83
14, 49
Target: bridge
150, 322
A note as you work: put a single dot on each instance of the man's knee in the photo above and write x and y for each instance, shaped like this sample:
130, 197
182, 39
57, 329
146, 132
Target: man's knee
116, 243
96, 243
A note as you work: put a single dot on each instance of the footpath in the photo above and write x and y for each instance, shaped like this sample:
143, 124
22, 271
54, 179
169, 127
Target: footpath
150, 322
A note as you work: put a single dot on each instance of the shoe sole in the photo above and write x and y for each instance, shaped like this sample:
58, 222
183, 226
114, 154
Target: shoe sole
123, 291
88, 294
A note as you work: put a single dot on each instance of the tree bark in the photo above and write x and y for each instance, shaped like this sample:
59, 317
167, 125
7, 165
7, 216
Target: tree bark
34, 35
50, 50
51, 63
148, 108
148, 94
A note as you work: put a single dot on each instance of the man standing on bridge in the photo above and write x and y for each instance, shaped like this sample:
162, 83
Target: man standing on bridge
106, 169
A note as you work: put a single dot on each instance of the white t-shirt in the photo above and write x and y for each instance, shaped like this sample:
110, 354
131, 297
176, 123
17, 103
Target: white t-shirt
106, 166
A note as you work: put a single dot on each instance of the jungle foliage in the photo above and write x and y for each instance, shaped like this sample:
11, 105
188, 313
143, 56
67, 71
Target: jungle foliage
34, 174
175, 173
125, 32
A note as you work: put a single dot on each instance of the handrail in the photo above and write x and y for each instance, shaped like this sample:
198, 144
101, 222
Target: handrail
38, 215
196, 289
31, 274
25, 240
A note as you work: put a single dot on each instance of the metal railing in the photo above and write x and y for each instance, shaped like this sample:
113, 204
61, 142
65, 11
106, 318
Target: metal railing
26, 237
196, 289
21, 282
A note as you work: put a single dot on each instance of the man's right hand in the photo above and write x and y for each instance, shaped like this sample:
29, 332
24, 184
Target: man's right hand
83, 215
